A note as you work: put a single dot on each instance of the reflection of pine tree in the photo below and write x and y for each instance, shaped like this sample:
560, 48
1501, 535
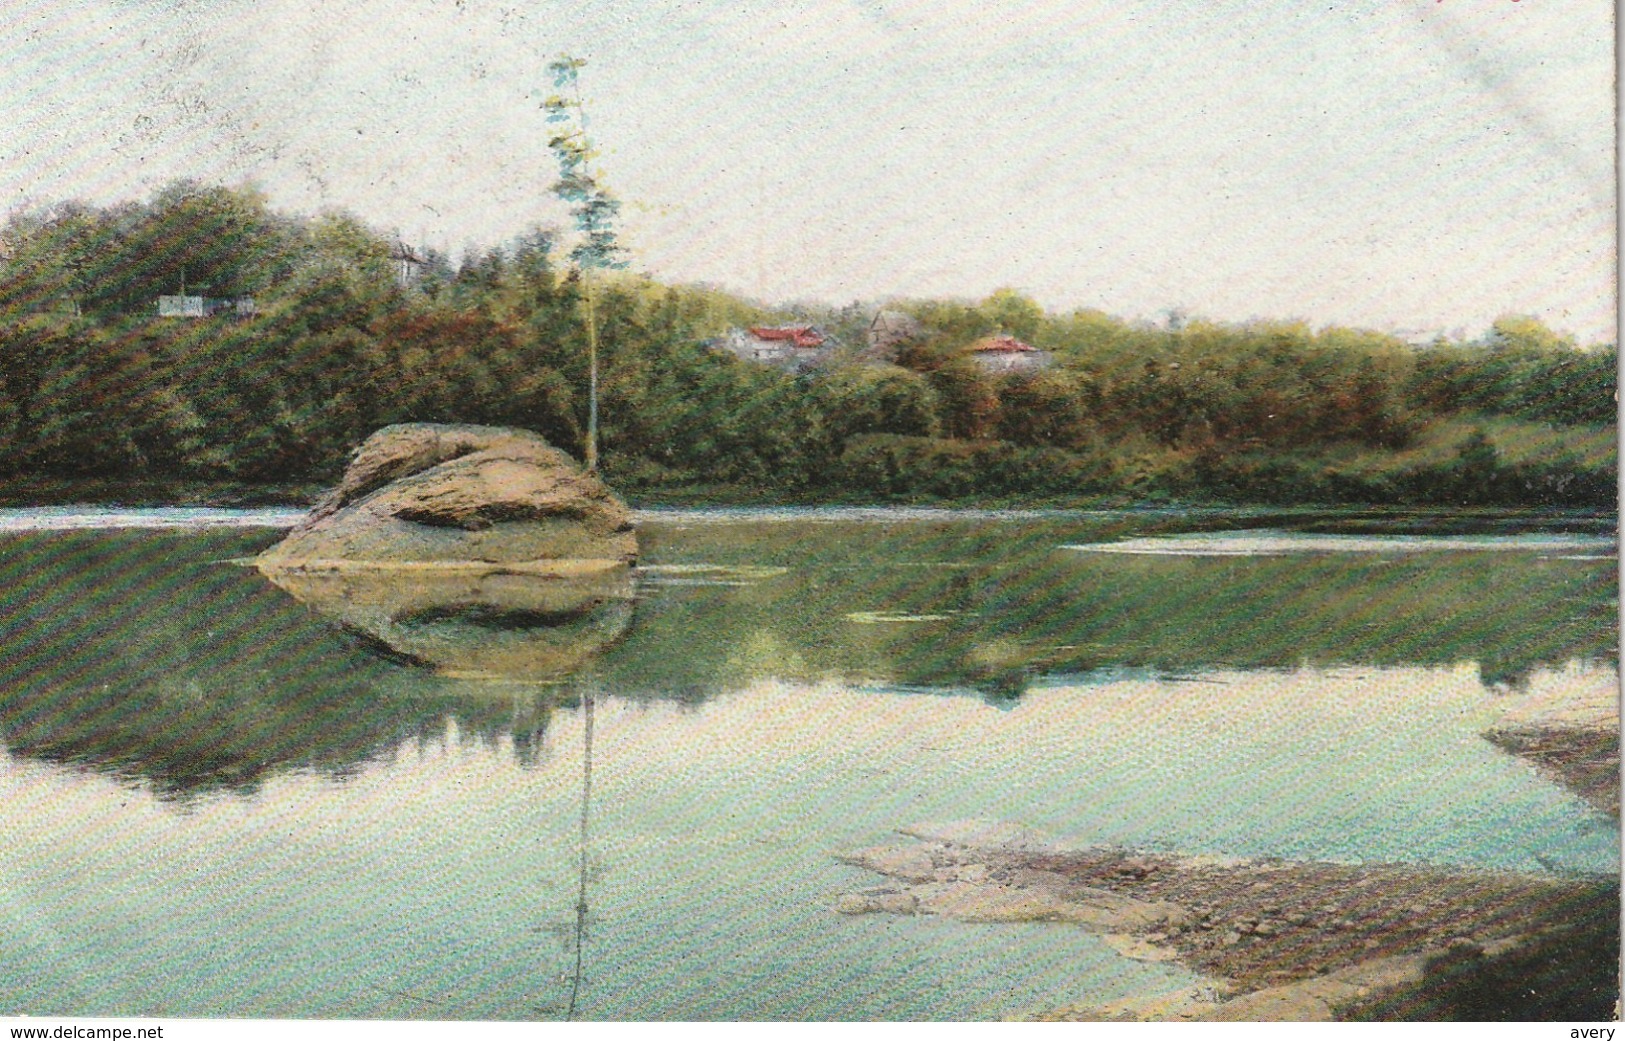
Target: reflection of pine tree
586, 820
572, 931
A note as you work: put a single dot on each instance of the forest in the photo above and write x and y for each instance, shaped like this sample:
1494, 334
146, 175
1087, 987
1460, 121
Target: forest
102, 397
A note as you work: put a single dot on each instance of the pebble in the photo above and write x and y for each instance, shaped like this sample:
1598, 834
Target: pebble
854, 903
1231, 938
897, 903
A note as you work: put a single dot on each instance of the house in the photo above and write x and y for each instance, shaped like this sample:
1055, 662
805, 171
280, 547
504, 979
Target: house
889, 331
409, 264
182, 306
1007, 354
791, 347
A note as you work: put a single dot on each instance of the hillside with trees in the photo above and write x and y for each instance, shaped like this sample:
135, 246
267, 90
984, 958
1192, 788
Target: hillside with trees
101, 397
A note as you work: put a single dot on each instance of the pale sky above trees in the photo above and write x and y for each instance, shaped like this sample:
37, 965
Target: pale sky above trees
1399, 164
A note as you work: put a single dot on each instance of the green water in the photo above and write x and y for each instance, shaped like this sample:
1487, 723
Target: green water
218, 801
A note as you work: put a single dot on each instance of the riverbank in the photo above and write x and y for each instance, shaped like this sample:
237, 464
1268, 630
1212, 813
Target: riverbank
37, 490
33, 490
1569, 733
1273, 939
1583, 759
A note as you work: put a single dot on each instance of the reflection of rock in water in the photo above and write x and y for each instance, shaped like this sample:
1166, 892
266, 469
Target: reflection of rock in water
135, 654
482, 621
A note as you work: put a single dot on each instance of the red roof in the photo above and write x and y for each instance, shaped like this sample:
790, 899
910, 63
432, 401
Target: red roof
1001, 343
800, 335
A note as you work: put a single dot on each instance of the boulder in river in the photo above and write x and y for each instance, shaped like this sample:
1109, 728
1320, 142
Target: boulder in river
421, 493
475, 551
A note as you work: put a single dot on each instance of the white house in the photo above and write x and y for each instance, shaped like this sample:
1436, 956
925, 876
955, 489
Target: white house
203, 306
792, 347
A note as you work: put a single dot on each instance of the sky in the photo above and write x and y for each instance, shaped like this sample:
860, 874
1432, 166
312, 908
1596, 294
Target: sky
1404, 165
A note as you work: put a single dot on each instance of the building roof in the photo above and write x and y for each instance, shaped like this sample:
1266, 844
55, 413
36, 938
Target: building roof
899, 321
1001, 344
799, 335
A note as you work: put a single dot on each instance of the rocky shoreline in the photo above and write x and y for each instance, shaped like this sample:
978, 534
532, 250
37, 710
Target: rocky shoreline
1302, 941
1273, 940
1570, 734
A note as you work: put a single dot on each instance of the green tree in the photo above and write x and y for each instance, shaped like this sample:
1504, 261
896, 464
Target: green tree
1014, 313
875, 399
595, 211
1045, 408
1518, 332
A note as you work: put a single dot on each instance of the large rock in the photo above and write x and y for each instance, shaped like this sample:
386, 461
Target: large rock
422, 493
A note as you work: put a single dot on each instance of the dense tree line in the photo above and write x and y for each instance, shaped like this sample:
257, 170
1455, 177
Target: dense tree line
94, 383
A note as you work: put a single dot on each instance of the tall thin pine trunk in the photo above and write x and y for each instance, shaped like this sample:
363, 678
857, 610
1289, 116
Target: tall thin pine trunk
592, 372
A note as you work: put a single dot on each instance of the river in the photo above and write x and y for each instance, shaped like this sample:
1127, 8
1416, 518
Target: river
220, 799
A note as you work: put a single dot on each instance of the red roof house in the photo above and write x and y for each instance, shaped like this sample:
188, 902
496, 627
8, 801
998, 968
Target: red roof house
1003, 353
792, 347
804, 336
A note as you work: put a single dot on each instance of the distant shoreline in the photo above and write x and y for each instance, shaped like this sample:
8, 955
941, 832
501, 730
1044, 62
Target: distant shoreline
104, 493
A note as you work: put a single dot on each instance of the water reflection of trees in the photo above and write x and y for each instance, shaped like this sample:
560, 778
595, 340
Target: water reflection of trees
142, 655
132, 652
992, 606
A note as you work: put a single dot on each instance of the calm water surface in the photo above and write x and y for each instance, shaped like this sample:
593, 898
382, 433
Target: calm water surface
219, 800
